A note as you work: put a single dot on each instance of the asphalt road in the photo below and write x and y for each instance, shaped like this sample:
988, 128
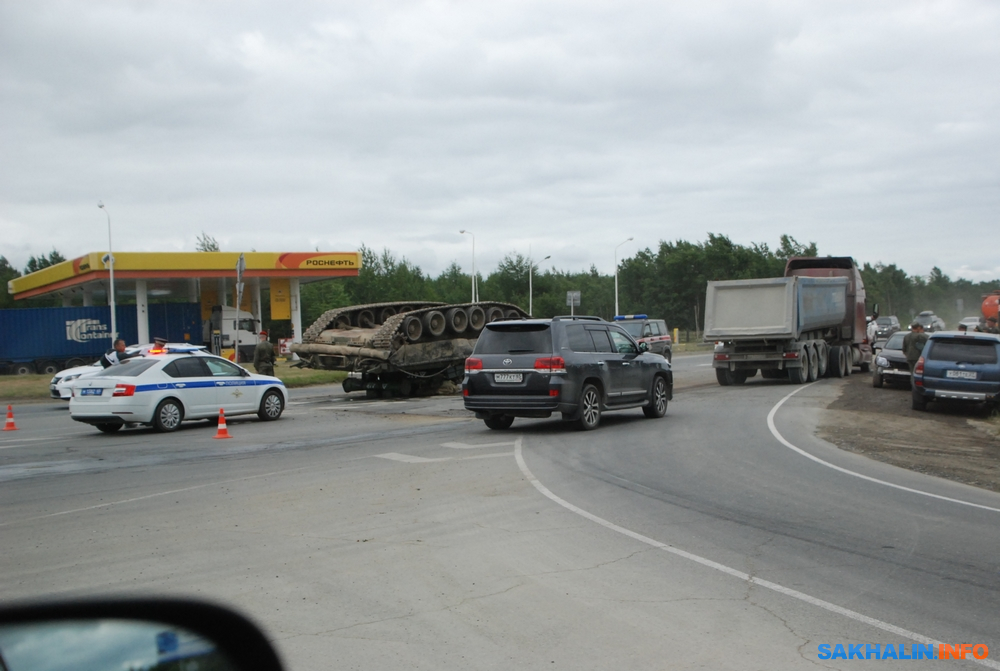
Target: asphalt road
403, 534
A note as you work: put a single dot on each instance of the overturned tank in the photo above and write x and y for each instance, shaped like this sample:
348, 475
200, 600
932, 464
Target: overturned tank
400, 348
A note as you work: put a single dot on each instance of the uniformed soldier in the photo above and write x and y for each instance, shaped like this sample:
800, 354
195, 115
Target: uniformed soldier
913, 344
263, 356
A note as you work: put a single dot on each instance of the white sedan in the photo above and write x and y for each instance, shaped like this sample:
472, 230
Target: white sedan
162, 390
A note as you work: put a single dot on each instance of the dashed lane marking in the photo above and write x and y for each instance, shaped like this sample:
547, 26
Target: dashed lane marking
465, 446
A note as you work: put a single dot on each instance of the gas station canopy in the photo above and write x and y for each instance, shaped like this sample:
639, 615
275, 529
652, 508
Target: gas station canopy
197, 277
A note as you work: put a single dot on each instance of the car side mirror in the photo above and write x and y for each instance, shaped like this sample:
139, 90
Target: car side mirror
643, 347
131, 633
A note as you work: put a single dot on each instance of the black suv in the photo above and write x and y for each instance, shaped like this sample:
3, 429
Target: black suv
578, 366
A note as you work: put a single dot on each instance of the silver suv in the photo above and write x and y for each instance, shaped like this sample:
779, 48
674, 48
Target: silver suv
577, 366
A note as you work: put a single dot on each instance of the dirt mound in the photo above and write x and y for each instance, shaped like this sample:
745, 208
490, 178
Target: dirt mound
956, 442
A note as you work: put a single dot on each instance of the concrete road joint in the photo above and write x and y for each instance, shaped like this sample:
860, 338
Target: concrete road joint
722, 568
781, 439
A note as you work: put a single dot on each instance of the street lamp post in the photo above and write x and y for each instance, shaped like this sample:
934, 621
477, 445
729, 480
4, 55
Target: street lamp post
111, 271
531, 265
616, 275
475, 292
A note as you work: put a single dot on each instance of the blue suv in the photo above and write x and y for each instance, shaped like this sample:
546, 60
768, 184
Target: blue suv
955, 366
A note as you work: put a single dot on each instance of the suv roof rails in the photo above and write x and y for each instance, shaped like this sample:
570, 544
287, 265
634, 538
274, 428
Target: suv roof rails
575, 317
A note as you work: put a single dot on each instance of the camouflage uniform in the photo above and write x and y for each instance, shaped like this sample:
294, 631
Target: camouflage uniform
913, 347
263, 358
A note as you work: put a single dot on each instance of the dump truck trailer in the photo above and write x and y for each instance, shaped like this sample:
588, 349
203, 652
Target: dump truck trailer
805, 325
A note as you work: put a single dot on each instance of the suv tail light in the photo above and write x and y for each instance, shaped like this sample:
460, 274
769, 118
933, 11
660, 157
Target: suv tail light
918, 369
124, 390
551, 364
473, 364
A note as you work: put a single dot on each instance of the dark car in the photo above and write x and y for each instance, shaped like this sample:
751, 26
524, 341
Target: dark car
653, 332
577, 366
885, 327
960, 367
890, 362
930, 321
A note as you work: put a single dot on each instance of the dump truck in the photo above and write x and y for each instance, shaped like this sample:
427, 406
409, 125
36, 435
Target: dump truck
805, 325
399, 348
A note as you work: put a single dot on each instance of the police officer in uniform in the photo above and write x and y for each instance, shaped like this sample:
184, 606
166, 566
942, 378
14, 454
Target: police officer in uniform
115, 355
263, 356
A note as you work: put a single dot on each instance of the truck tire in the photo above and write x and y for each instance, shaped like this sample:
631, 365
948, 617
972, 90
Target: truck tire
849, 360
724, 377
877, 379
813, 363
799, 375
836, 362
47, 367
823, 351
22, 369
740, 376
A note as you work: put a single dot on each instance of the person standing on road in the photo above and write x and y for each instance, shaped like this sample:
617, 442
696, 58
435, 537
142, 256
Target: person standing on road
913, 344
115, 355
263, 356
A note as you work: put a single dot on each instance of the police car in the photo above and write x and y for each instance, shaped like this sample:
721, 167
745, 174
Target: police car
653, 332
167, 386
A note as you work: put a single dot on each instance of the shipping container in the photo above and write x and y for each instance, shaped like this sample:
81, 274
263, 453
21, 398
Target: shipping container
45, 340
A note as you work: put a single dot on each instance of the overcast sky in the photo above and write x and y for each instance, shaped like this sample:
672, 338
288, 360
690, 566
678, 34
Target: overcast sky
868, 128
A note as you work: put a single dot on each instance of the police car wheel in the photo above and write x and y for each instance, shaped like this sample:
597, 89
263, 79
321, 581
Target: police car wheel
168, 416
271, 406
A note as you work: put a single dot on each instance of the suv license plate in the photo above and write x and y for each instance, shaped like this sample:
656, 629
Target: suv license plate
507, 377
91, 392
961, 374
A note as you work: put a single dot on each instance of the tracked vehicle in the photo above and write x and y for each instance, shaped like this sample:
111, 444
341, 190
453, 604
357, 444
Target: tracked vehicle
399, 348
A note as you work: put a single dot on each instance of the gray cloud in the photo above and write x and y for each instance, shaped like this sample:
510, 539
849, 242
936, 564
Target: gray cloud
870, 129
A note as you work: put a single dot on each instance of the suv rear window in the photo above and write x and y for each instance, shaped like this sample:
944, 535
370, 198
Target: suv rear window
964, 351
515, 339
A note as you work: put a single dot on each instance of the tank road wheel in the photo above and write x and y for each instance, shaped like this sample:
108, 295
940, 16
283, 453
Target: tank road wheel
406, 308
342, 322
590, 408
477, 318
111, 427
385, 313
494, 314
413, 328
658, 402
813, 364
366, 319
271, 406
499, 422
512, 314
168, 416
724, 377
456, 319
434, 323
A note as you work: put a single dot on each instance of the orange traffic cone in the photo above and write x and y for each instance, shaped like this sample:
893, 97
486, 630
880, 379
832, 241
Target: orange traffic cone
10, 426
223, 432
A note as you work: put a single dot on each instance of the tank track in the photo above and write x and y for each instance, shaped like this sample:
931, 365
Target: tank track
329, 318
390, 336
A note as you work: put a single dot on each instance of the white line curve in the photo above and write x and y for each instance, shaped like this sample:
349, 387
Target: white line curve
781, 439
722, 568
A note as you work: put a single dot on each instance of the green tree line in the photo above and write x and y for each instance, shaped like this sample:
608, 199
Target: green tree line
667, 282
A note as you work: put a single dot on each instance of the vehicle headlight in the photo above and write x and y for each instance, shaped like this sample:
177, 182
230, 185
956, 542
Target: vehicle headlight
54, 380
882, 361
69, 378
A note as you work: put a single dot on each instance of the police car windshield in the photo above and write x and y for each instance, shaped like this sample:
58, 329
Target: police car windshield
634, 328
128, 368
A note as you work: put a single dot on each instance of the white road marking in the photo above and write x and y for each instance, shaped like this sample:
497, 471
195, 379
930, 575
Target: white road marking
704, 364
464, 446
21, 442
781, 439
722, 568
